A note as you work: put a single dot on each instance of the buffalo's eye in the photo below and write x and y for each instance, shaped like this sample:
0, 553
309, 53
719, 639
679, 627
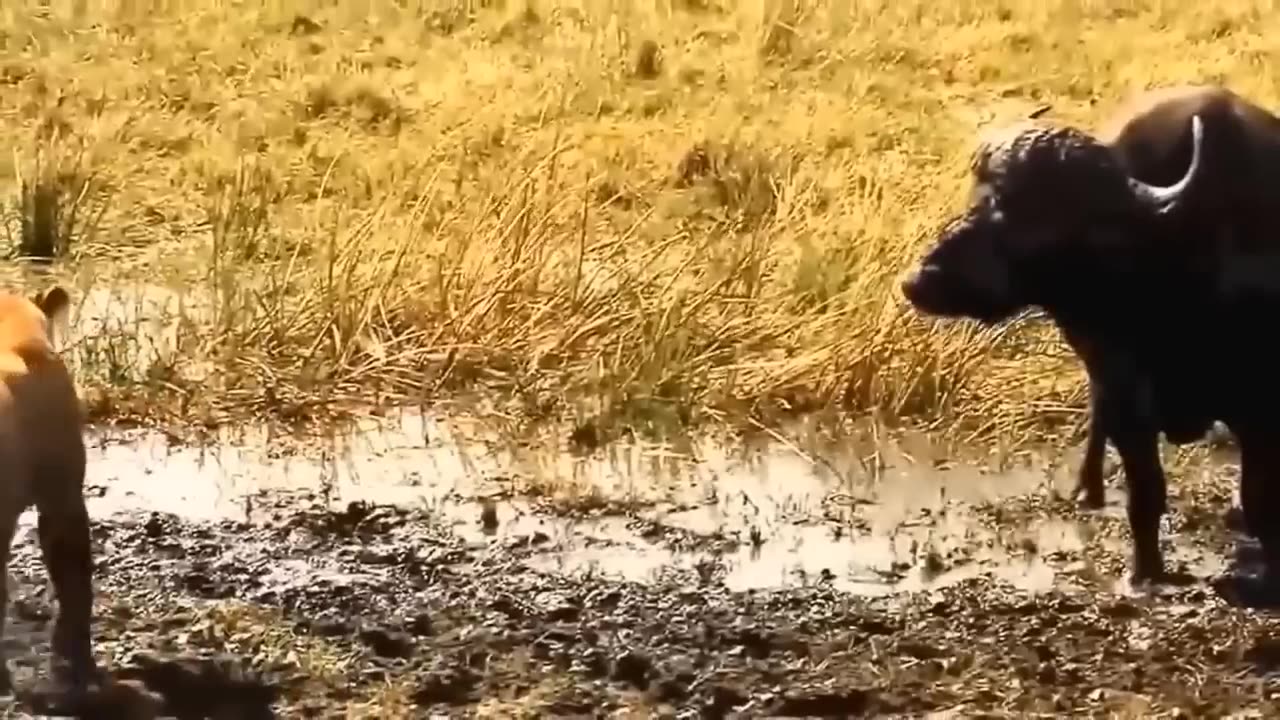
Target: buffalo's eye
994, 213
989, 206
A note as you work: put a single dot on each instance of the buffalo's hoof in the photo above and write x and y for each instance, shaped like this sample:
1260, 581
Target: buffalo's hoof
1148, 569
1160, 584
1145, 580
1089, 496
1090, 501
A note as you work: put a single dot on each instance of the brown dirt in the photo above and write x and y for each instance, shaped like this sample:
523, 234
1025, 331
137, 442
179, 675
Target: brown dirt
1010, 605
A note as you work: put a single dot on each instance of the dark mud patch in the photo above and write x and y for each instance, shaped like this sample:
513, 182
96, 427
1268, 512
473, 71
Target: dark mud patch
149, 686
477, 631
379, 584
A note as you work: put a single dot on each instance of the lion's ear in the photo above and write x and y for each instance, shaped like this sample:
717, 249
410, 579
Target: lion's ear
53, 302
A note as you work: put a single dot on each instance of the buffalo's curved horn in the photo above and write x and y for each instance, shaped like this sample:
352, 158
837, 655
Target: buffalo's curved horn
1165, 199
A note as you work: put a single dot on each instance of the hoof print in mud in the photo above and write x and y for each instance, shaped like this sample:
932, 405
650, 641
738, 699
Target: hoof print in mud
327, 627
723, 700
818, 702
204, 686
387, 642
112, 699
592, 663
358, 518
158, 525
451, 686
199, 581
632, 668
1246, 589
32, 609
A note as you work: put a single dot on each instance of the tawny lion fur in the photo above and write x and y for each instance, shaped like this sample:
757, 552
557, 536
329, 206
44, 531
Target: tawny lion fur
42, 463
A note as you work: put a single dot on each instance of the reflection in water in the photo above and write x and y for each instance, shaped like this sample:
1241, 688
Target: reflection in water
864, 517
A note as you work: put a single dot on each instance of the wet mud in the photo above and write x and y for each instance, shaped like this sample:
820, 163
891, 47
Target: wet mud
411, 572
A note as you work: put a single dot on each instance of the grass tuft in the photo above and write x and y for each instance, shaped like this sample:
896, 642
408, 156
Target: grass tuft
644, 214
60, 203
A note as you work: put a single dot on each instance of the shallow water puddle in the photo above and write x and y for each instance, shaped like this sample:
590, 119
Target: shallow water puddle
913, 556
868, 517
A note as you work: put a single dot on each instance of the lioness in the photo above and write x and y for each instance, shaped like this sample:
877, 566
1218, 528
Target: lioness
42, 462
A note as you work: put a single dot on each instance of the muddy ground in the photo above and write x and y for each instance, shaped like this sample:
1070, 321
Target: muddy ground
396, 577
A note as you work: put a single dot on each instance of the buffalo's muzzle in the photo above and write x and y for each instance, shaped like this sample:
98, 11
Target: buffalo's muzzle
919, 287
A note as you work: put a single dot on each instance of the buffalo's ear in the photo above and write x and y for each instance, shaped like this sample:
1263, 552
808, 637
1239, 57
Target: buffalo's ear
53, 302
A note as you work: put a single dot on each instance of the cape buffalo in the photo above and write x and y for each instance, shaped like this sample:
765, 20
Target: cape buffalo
1125, 268
1150, 138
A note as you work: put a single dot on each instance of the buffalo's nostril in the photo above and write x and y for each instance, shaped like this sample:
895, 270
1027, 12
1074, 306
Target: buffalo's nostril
908, 286
911, 284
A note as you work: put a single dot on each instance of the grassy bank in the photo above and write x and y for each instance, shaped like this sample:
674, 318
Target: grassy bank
657, 210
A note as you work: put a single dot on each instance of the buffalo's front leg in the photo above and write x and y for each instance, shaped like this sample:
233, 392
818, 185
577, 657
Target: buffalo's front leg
1145, 479
1126, 414
1089, 490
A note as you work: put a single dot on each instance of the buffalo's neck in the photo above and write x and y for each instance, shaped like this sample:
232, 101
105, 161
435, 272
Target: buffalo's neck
1123, 301
1150, 319
1151, 315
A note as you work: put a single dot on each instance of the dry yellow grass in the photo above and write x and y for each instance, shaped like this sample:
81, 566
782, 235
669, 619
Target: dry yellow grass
656, 208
